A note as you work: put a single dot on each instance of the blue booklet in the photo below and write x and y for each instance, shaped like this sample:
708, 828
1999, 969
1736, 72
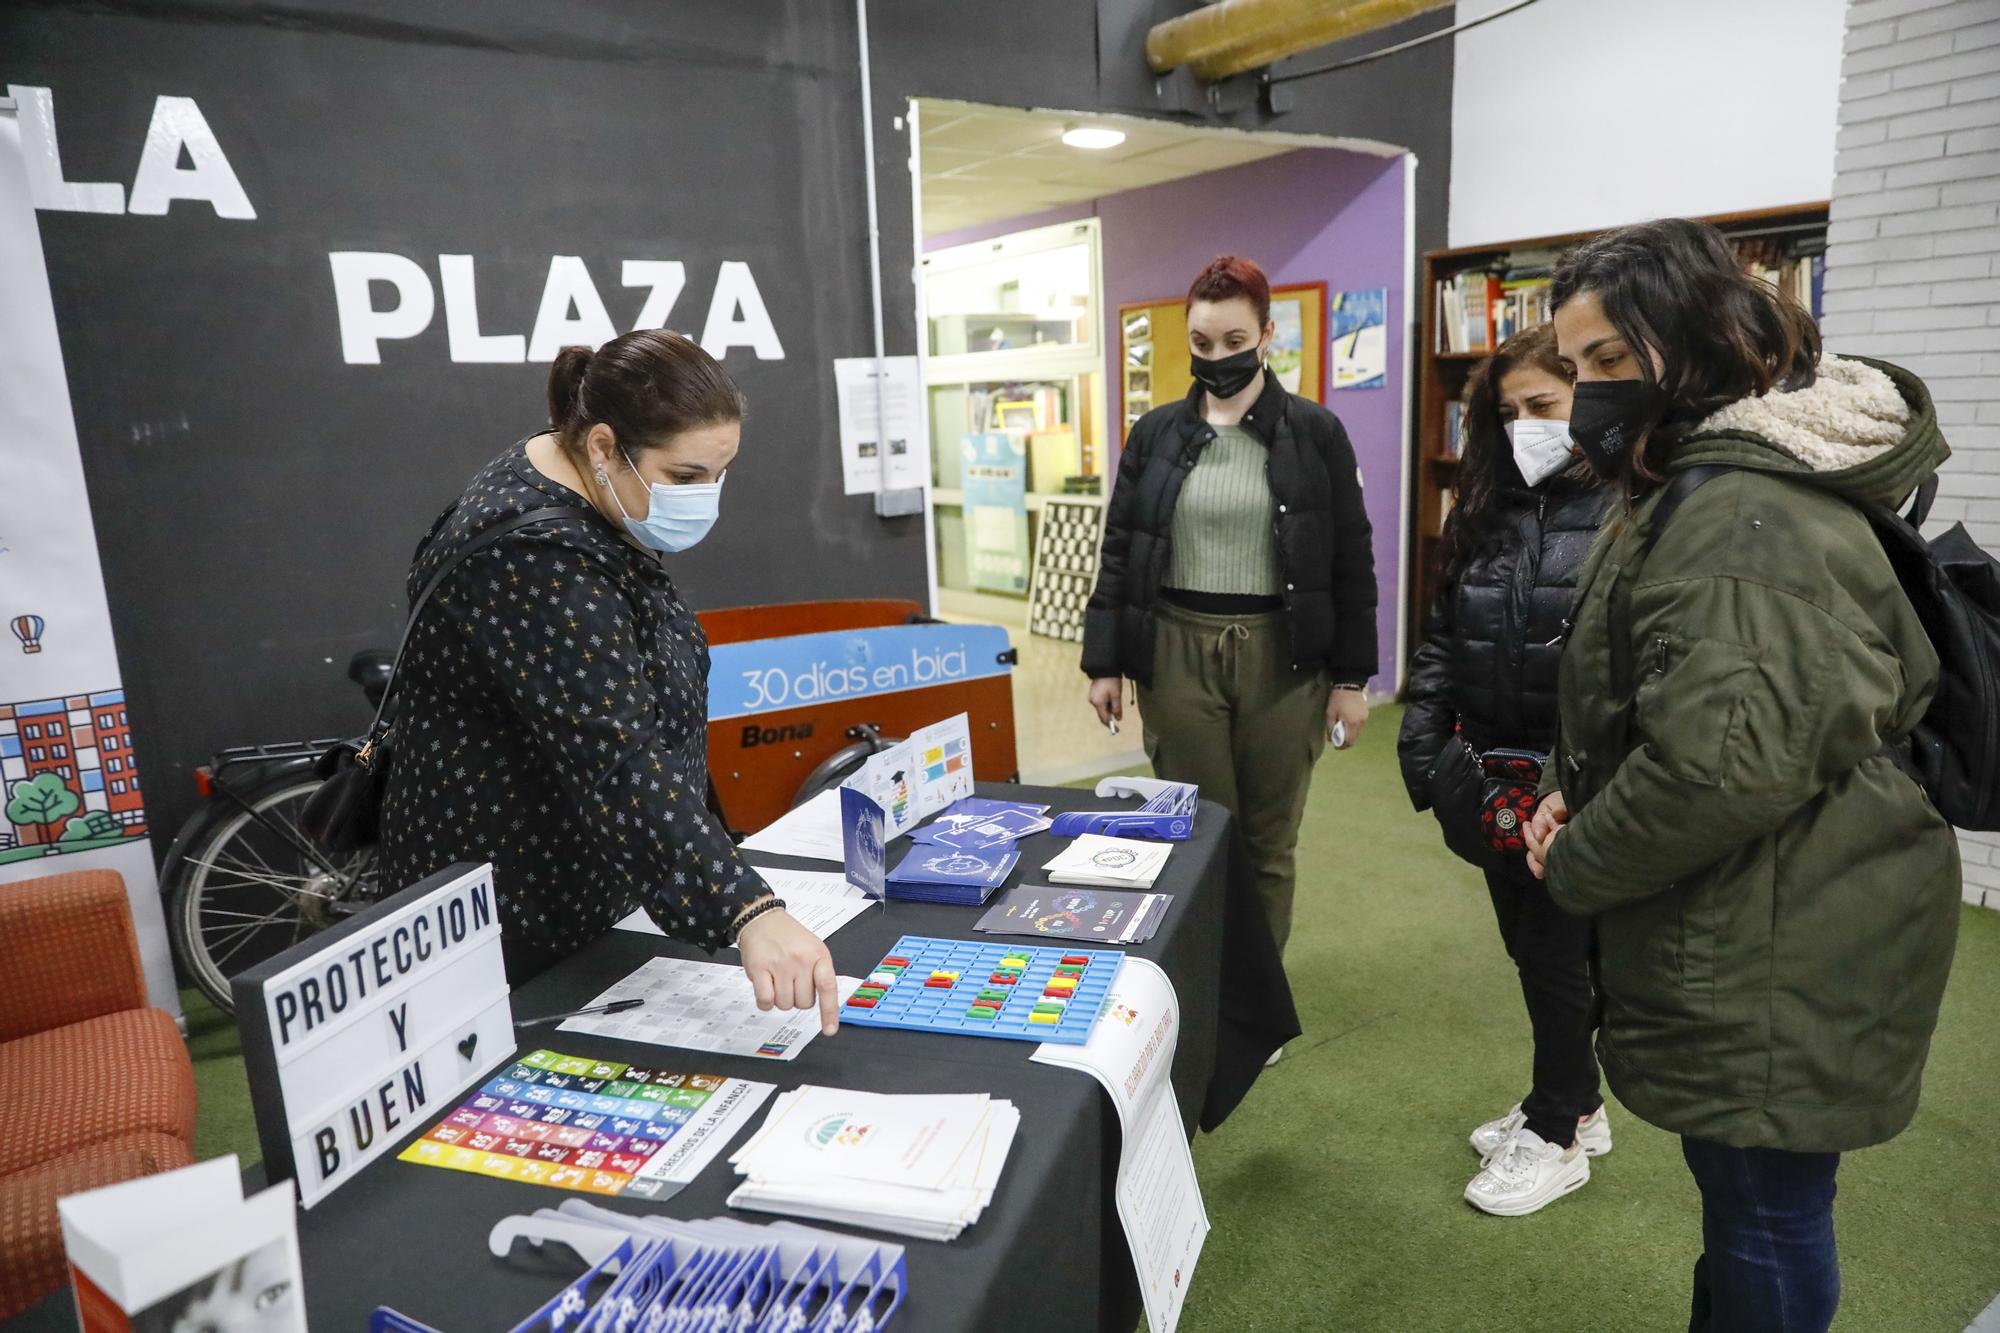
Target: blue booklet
951, 875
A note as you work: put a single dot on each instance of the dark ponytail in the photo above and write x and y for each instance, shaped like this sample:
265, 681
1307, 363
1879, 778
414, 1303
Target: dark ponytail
566, 384
648, 386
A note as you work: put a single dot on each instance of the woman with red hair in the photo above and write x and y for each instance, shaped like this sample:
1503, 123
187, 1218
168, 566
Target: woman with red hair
1237, 583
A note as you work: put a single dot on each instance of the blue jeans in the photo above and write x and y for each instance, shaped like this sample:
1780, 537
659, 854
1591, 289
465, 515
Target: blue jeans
1768, 1262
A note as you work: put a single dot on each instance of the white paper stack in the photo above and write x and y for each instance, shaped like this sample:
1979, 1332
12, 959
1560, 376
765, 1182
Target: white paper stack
1110, 863
923, 1165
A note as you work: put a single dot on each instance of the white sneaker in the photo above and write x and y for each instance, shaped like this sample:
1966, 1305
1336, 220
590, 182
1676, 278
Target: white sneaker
1276, 1056
1592, 1131
1527, 1174
1494, 1135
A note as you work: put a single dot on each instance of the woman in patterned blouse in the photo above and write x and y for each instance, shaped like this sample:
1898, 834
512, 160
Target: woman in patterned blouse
553, 713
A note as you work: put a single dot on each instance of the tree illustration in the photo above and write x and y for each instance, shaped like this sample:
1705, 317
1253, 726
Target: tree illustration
42, 799
94, 824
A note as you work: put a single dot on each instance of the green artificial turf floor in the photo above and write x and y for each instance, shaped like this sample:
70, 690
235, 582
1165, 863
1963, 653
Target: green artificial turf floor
1334, 1190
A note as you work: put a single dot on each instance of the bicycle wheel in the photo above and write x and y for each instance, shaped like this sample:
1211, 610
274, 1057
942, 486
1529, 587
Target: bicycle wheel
248, 886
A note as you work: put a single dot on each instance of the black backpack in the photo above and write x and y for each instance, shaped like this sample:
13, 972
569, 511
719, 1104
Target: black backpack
1954, 587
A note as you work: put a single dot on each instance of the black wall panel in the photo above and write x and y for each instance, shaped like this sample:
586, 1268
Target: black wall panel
257, 498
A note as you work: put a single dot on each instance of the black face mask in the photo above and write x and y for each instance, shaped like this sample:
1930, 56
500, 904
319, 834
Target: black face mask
1607, 418
1227, 376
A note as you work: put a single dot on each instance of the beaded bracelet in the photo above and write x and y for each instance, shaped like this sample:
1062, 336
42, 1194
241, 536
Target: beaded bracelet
768, 905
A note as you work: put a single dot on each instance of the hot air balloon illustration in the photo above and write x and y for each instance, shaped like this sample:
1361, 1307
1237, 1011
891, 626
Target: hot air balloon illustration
28, 629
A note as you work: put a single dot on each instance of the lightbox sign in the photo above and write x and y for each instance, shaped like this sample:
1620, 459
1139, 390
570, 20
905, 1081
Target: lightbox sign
355, 1037
798, 670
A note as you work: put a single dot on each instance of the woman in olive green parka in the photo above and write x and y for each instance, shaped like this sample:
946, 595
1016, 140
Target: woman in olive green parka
1776, 902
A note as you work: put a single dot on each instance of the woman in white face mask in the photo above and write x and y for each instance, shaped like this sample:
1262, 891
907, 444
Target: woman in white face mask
1481, 719
552, 699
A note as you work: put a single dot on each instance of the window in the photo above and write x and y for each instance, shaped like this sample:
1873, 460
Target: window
33, 731
36, 753
118, 787
121, 717
108, 744
61, 751
104, 720
55, 730
135, 784
114, 766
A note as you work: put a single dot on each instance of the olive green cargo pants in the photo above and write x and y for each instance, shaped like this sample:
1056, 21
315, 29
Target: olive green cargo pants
1227, 711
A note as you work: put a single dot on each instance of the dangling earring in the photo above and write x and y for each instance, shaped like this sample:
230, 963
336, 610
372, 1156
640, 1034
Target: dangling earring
602, 478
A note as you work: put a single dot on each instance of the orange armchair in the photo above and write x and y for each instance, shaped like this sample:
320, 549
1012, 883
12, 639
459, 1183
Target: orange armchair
97, 1085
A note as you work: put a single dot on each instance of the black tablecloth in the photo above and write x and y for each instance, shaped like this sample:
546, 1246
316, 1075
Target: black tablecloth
1048, 1252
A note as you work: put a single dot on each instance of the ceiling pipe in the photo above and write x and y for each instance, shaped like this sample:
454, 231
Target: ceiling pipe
1233, 36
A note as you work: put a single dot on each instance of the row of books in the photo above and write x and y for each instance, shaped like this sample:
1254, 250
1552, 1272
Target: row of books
1479, 309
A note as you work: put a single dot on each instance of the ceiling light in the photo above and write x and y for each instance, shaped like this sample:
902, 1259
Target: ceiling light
1092, 137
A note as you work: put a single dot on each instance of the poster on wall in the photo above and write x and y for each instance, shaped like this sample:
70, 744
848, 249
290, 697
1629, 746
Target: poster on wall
1287, 357
72, 799
878, 410
996, 510
1361, 339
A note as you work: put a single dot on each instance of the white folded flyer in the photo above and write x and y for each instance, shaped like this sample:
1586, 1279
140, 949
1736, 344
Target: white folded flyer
1109, 863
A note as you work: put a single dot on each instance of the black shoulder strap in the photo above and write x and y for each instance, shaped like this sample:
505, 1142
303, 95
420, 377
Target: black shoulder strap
473, 547
1679, 487
1920, 503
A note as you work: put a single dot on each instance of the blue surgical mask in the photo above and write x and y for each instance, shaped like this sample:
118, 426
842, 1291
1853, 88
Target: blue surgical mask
676, 516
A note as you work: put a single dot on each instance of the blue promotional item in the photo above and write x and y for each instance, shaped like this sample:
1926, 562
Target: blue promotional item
1166, 816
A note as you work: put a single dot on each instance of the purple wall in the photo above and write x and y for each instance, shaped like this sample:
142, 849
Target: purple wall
1316, 215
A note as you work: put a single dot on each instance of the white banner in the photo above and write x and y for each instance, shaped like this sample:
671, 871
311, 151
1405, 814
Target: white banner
72, 799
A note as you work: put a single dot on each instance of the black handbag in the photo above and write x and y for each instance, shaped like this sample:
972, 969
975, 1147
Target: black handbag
1456, 783
345, 812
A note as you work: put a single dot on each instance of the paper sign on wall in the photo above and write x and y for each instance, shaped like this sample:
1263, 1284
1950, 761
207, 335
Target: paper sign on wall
879, 411
895, 789
355, 1037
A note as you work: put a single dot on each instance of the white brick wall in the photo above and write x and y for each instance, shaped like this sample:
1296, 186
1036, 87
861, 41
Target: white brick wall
1913, 260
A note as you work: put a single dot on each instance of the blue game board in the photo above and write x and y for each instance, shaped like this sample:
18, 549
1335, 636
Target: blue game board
986, 990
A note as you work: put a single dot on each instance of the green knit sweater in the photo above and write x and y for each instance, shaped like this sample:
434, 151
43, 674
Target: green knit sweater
1223, 522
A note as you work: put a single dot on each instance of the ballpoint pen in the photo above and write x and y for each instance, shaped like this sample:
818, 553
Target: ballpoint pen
615, 1007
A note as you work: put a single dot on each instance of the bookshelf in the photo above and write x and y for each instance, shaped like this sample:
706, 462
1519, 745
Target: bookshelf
1784, 244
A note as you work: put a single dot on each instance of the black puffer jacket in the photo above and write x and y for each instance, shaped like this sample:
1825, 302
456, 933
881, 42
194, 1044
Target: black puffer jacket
1323, 537
1492, 645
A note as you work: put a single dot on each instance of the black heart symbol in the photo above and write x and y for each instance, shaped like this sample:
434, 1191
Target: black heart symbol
465, 1048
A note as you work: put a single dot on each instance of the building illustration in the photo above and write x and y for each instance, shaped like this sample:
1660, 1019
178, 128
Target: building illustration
68, 775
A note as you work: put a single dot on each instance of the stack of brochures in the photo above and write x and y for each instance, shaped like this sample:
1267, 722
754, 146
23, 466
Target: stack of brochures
937, 874
1109, 863
921, 1165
